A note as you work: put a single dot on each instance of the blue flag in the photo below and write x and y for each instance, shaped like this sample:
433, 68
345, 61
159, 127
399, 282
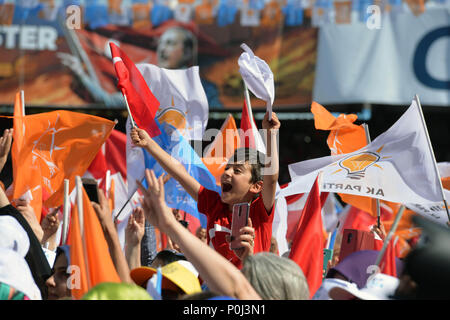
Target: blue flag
171, 141
96, 15
160, 13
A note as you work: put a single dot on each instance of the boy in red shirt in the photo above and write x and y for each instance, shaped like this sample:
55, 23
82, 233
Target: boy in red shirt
241, 182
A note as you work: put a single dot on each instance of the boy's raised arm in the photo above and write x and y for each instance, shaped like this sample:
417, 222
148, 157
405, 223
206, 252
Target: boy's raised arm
172, 166
270, 171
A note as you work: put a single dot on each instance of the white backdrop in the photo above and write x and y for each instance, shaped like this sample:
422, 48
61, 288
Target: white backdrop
356, 64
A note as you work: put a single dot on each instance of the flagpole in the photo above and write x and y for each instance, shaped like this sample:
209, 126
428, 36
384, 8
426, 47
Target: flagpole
390, 234
377, 201
128, 108
22, 98
79, 187
430, 147
65, 227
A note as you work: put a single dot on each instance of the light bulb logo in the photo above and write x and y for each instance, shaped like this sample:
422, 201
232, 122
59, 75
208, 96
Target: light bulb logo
356, 165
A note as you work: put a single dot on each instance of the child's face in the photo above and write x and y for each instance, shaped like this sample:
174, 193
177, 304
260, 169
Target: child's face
236, 184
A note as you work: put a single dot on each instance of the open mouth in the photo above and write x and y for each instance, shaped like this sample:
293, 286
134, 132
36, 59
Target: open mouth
226, 187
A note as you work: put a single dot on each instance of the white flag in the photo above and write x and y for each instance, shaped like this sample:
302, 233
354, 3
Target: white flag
183, 102
397, 166
257, 76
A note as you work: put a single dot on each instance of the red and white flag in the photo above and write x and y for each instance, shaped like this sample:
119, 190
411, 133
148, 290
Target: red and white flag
141, 101
308, 244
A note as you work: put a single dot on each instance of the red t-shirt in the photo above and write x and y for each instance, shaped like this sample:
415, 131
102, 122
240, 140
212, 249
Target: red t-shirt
219, 223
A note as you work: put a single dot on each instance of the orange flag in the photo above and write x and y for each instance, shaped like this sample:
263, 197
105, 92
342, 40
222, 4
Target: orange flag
222, 148
308, 244
34, 195
89, 250
57, 145
344, 137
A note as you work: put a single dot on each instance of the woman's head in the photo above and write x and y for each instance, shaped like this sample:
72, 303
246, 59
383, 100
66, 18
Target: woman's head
57, 283
275, 278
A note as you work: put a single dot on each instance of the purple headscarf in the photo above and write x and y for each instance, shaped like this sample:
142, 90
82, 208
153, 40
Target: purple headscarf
354, 266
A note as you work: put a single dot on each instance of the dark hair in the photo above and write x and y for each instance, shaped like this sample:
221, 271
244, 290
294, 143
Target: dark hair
169, 256
253, 157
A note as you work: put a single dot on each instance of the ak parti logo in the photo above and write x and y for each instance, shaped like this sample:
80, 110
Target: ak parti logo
357, 164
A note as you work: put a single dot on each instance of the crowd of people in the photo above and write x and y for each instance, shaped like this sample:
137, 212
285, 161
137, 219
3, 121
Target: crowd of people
202, 265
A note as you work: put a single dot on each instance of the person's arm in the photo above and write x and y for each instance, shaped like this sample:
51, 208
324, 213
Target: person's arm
134, 233
50, 224
110, 233
270, 172
27, 211
220, 275
5, 146
172, 166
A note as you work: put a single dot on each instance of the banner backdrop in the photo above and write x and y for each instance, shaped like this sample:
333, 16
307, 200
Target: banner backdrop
58, 52
407, 55
71, 66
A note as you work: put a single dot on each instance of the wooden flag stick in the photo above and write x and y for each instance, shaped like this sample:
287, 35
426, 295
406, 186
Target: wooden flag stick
430, 148
377, 201
390, 234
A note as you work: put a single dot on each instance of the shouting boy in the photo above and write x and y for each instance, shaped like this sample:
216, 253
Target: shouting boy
247, 178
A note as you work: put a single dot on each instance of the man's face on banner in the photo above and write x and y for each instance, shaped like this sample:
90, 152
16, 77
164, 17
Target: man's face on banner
171, 50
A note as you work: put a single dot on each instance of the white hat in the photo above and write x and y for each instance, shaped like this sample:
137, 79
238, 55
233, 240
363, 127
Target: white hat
328, 284
378, 287
14, 271
13, 236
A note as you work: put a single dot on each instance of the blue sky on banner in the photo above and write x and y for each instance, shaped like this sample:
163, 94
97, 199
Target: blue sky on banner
178, 147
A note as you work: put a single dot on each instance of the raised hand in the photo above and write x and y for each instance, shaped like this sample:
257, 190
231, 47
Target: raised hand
273, 124
139, 137
134, 232
102, 209
50, 224
156, 211
5, 146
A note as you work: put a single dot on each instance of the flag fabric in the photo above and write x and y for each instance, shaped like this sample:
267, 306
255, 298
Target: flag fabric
160, 13
182, 99
344, 137
142, 103
308, 244
295, 205
226, 12
397, 166
218, 153
280, 223
179, 148
34, 195
387, 264
89, 250
111, 156
249, 134
57, 145
343, 11
293, 12
257, 76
